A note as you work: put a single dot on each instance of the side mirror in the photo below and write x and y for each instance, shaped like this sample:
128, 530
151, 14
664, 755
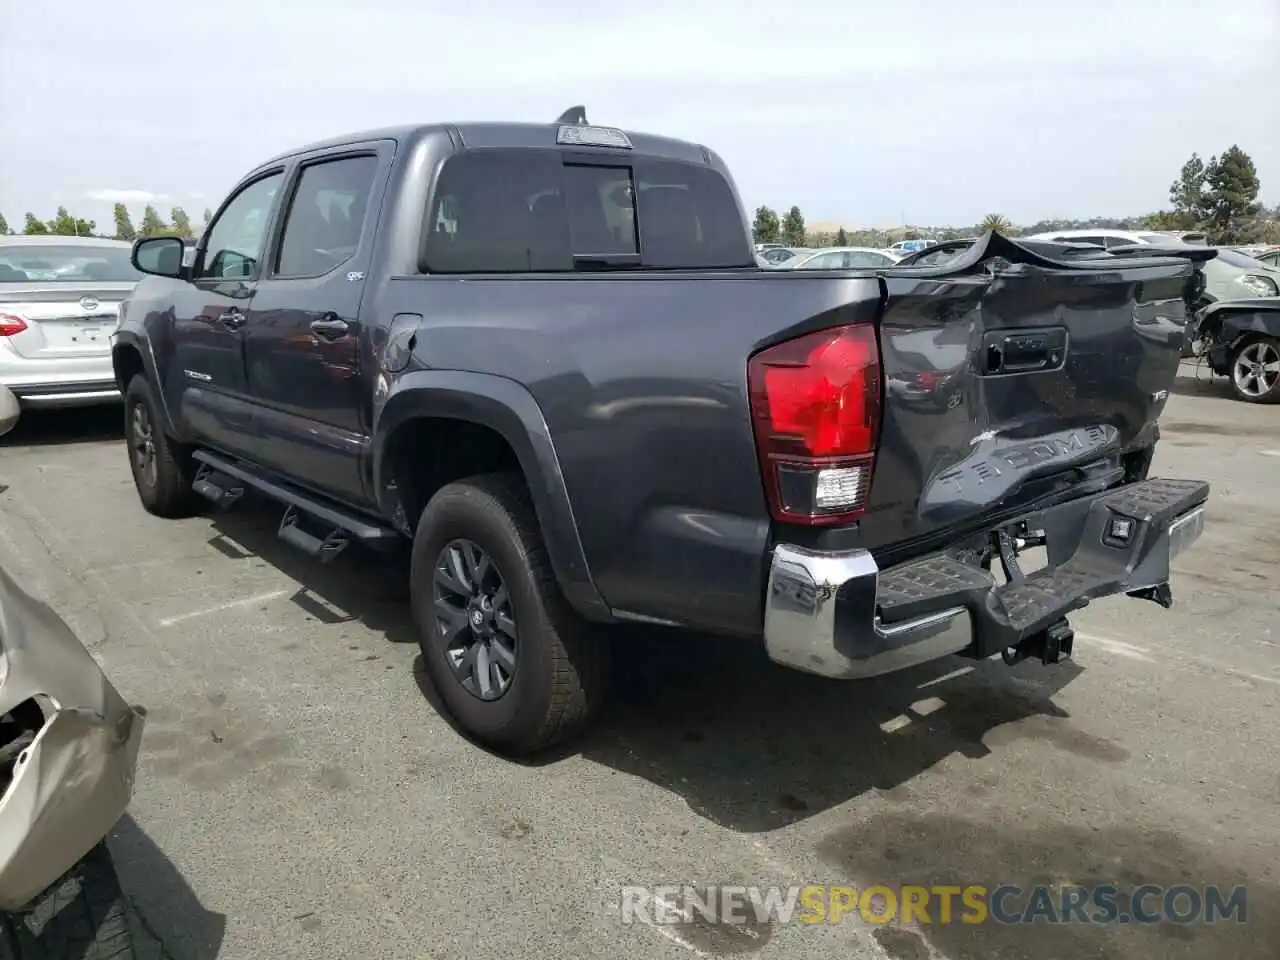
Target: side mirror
159, 256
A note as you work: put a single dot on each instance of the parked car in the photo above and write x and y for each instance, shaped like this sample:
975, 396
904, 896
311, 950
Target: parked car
1241, 341
950, 250
1268, 255
777, 256
68, 755
585, 405
841, 258
903, 247
1119, 238
59, 298
1233, 276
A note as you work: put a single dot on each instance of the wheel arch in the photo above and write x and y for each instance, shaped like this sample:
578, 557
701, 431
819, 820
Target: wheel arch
131, 355
473, 409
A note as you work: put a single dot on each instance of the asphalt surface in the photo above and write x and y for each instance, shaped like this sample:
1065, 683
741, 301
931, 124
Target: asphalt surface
300, 795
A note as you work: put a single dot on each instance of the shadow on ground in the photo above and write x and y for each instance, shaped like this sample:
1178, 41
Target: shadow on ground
359, 585
1195, 379
941, 848
747, 744
167, 919
754, 747
43, 428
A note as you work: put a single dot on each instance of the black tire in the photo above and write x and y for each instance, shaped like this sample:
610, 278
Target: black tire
557, 686
81, 917
166, 492
1255, 348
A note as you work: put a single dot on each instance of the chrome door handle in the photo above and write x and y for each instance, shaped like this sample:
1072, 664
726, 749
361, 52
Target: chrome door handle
330, 328
233, 319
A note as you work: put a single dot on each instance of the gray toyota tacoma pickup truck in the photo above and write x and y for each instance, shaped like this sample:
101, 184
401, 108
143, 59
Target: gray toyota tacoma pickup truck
546, 356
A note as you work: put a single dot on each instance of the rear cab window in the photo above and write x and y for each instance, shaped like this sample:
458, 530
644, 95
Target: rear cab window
525, 210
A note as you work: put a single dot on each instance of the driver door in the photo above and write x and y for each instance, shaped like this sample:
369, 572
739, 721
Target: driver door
204, 375
304, 339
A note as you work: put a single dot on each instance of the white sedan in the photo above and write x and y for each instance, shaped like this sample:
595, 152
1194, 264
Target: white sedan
59, 303
842, 258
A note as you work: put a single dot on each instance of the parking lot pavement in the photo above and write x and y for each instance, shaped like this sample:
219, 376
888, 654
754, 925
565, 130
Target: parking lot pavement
299, 795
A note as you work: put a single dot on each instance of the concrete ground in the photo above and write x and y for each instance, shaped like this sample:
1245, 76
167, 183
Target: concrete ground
301, 797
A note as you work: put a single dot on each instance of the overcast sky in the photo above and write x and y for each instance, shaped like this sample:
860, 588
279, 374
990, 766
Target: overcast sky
863, 111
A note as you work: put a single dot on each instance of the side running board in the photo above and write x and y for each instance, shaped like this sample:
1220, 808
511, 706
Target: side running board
317, 528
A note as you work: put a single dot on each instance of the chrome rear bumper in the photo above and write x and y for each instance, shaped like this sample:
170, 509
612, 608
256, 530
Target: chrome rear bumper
820, 617
836, 614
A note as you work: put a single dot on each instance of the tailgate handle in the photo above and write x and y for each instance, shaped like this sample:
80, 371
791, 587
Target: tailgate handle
1023, 351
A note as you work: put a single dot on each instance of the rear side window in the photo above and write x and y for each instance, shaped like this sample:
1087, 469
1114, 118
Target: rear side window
322, 230
520, 211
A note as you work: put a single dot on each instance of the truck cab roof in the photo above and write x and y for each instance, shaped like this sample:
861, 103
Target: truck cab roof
511, 135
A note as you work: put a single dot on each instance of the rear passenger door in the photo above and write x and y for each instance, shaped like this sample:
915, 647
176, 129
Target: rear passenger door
305, 346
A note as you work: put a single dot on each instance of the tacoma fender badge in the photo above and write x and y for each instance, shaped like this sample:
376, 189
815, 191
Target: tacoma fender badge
355, 276
196, 375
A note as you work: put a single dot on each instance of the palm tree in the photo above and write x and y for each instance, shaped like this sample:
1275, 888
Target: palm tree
996, 222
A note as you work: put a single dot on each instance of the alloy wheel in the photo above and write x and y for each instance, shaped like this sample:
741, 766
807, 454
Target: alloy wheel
144, 444
474, 619
1257, 369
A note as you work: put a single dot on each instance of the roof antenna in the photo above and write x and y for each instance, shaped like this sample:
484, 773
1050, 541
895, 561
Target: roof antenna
574, 115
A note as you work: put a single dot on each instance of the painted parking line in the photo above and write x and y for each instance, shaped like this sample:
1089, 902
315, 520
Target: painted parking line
1133, 652
229, 605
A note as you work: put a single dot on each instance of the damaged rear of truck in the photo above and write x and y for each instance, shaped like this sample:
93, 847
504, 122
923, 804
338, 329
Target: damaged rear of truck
1017, 401
887, 443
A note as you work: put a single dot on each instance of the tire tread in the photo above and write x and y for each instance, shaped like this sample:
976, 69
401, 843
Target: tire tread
82, 917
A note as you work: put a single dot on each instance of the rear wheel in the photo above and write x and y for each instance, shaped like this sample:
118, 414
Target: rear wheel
1255, 370
81, 917
162, 471
515, 665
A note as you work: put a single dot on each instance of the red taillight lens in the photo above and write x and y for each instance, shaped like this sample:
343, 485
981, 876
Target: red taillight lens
11, 324
815, 405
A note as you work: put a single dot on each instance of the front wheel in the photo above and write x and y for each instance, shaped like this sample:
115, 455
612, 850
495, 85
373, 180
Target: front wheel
81, 917
1255, 370
515, 665
162, 472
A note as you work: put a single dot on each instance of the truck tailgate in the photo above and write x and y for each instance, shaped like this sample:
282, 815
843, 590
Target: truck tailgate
1009, 379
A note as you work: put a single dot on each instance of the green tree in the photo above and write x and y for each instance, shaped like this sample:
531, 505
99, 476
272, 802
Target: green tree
34, 226
997, 222
181, 222
842, 238
793, 228
1187, 194
1168, 220
63, 224
765, 229
152, 225
1231, 188
124, 224
5, 230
